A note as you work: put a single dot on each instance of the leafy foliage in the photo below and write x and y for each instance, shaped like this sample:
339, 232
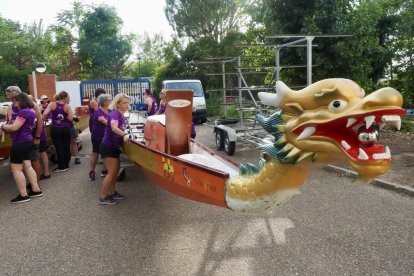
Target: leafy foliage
100, 35
381, 51
197, 19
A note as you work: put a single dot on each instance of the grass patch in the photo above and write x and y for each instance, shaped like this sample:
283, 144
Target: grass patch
407, 125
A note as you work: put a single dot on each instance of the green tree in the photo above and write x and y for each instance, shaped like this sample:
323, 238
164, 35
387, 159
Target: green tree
402, 70
196, 19
153, 51
103, 51
365, 58
66, 33
21, 47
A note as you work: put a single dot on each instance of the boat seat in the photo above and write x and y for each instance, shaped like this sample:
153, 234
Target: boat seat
210, 162
157, 118
155, 132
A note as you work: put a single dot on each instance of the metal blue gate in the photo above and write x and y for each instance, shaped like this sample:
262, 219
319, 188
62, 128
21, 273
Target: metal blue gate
134, 88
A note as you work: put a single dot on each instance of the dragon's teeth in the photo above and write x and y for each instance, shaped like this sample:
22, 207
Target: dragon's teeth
381, 156
350, 122
397, 124
390, 118
345, 145
306, 133
381, 125
395, 120
362, 155
369, 120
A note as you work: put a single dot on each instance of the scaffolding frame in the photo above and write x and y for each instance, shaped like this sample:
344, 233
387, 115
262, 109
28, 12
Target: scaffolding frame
305, 40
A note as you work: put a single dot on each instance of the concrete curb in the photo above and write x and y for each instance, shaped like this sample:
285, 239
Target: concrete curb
376, 182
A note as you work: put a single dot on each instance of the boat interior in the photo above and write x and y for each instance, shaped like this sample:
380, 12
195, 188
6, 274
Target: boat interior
170, 133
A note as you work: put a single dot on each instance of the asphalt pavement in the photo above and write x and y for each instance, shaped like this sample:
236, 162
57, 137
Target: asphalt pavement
335, 226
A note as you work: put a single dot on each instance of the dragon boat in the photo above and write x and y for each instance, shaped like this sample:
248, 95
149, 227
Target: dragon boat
327, 122
81, 112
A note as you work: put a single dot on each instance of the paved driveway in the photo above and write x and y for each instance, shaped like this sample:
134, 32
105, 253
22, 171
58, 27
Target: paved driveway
333, 227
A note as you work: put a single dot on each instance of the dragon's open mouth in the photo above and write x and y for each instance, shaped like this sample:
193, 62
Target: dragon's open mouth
357, 135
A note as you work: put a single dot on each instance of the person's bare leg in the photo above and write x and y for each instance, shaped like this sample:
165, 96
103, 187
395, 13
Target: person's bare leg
75, 150
35, 164
45, 161
93, 159
74, 147
114, 177
31, 175
18, 175
113, 166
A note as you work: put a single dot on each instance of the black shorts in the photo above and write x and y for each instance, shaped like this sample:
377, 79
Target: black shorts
21, 152
107, 151
73, 133
42, 146
95, 145
34, 153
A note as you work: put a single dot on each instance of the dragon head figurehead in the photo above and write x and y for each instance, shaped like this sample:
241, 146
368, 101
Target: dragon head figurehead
332, 120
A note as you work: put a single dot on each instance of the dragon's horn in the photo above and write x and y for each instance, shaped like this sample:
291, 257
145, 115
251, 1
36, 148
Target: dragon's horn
268, 98
272, 99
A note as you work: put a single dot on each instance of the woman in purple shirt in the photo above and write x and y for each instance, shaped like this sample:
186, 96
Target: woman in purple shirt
163, 103
100, 121
150, 102
62, 116
93, 106
22, 143
44, 100
109, 148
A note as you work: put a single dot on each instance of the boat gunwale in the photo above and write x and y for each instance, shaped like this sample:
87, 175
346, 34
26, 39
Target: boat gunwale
190, 163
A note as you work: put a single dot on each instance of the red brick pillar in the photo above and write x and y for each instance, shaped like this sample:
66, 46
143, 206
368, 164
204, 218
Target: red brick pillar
45, 83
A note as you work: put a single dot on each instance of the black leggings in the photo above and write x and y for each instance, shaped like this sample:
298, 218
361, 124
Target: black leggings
61, 137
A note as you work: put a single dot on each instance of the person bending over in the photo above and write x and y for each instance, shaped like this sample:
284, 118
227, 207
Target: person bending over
93, 106
99, 124
22, 143
150, 102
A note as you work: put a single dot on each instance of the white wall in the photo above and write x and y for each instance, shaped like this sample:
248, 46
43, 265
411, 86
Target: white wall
73, 89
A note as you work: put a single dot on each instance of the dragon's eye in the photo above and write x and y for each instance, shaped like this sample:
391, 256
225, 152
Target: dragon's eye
337, 105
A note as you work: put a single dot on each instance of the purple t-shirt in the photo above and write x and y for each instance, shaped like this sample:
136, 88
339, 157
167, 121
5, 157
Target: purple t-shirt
59, 116
24, 133
15, 111
98, 129
43, 110
91, 113
43, 136
161, 110
111, 139
154, 107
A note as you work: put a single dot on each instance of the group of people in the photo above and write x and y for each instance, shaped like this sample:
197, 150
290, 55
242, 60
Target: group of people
107, 126
154, 109
25, 123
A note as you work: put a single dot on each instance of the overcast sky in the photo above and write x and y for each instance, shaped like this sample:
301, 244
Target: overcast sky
139, 16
